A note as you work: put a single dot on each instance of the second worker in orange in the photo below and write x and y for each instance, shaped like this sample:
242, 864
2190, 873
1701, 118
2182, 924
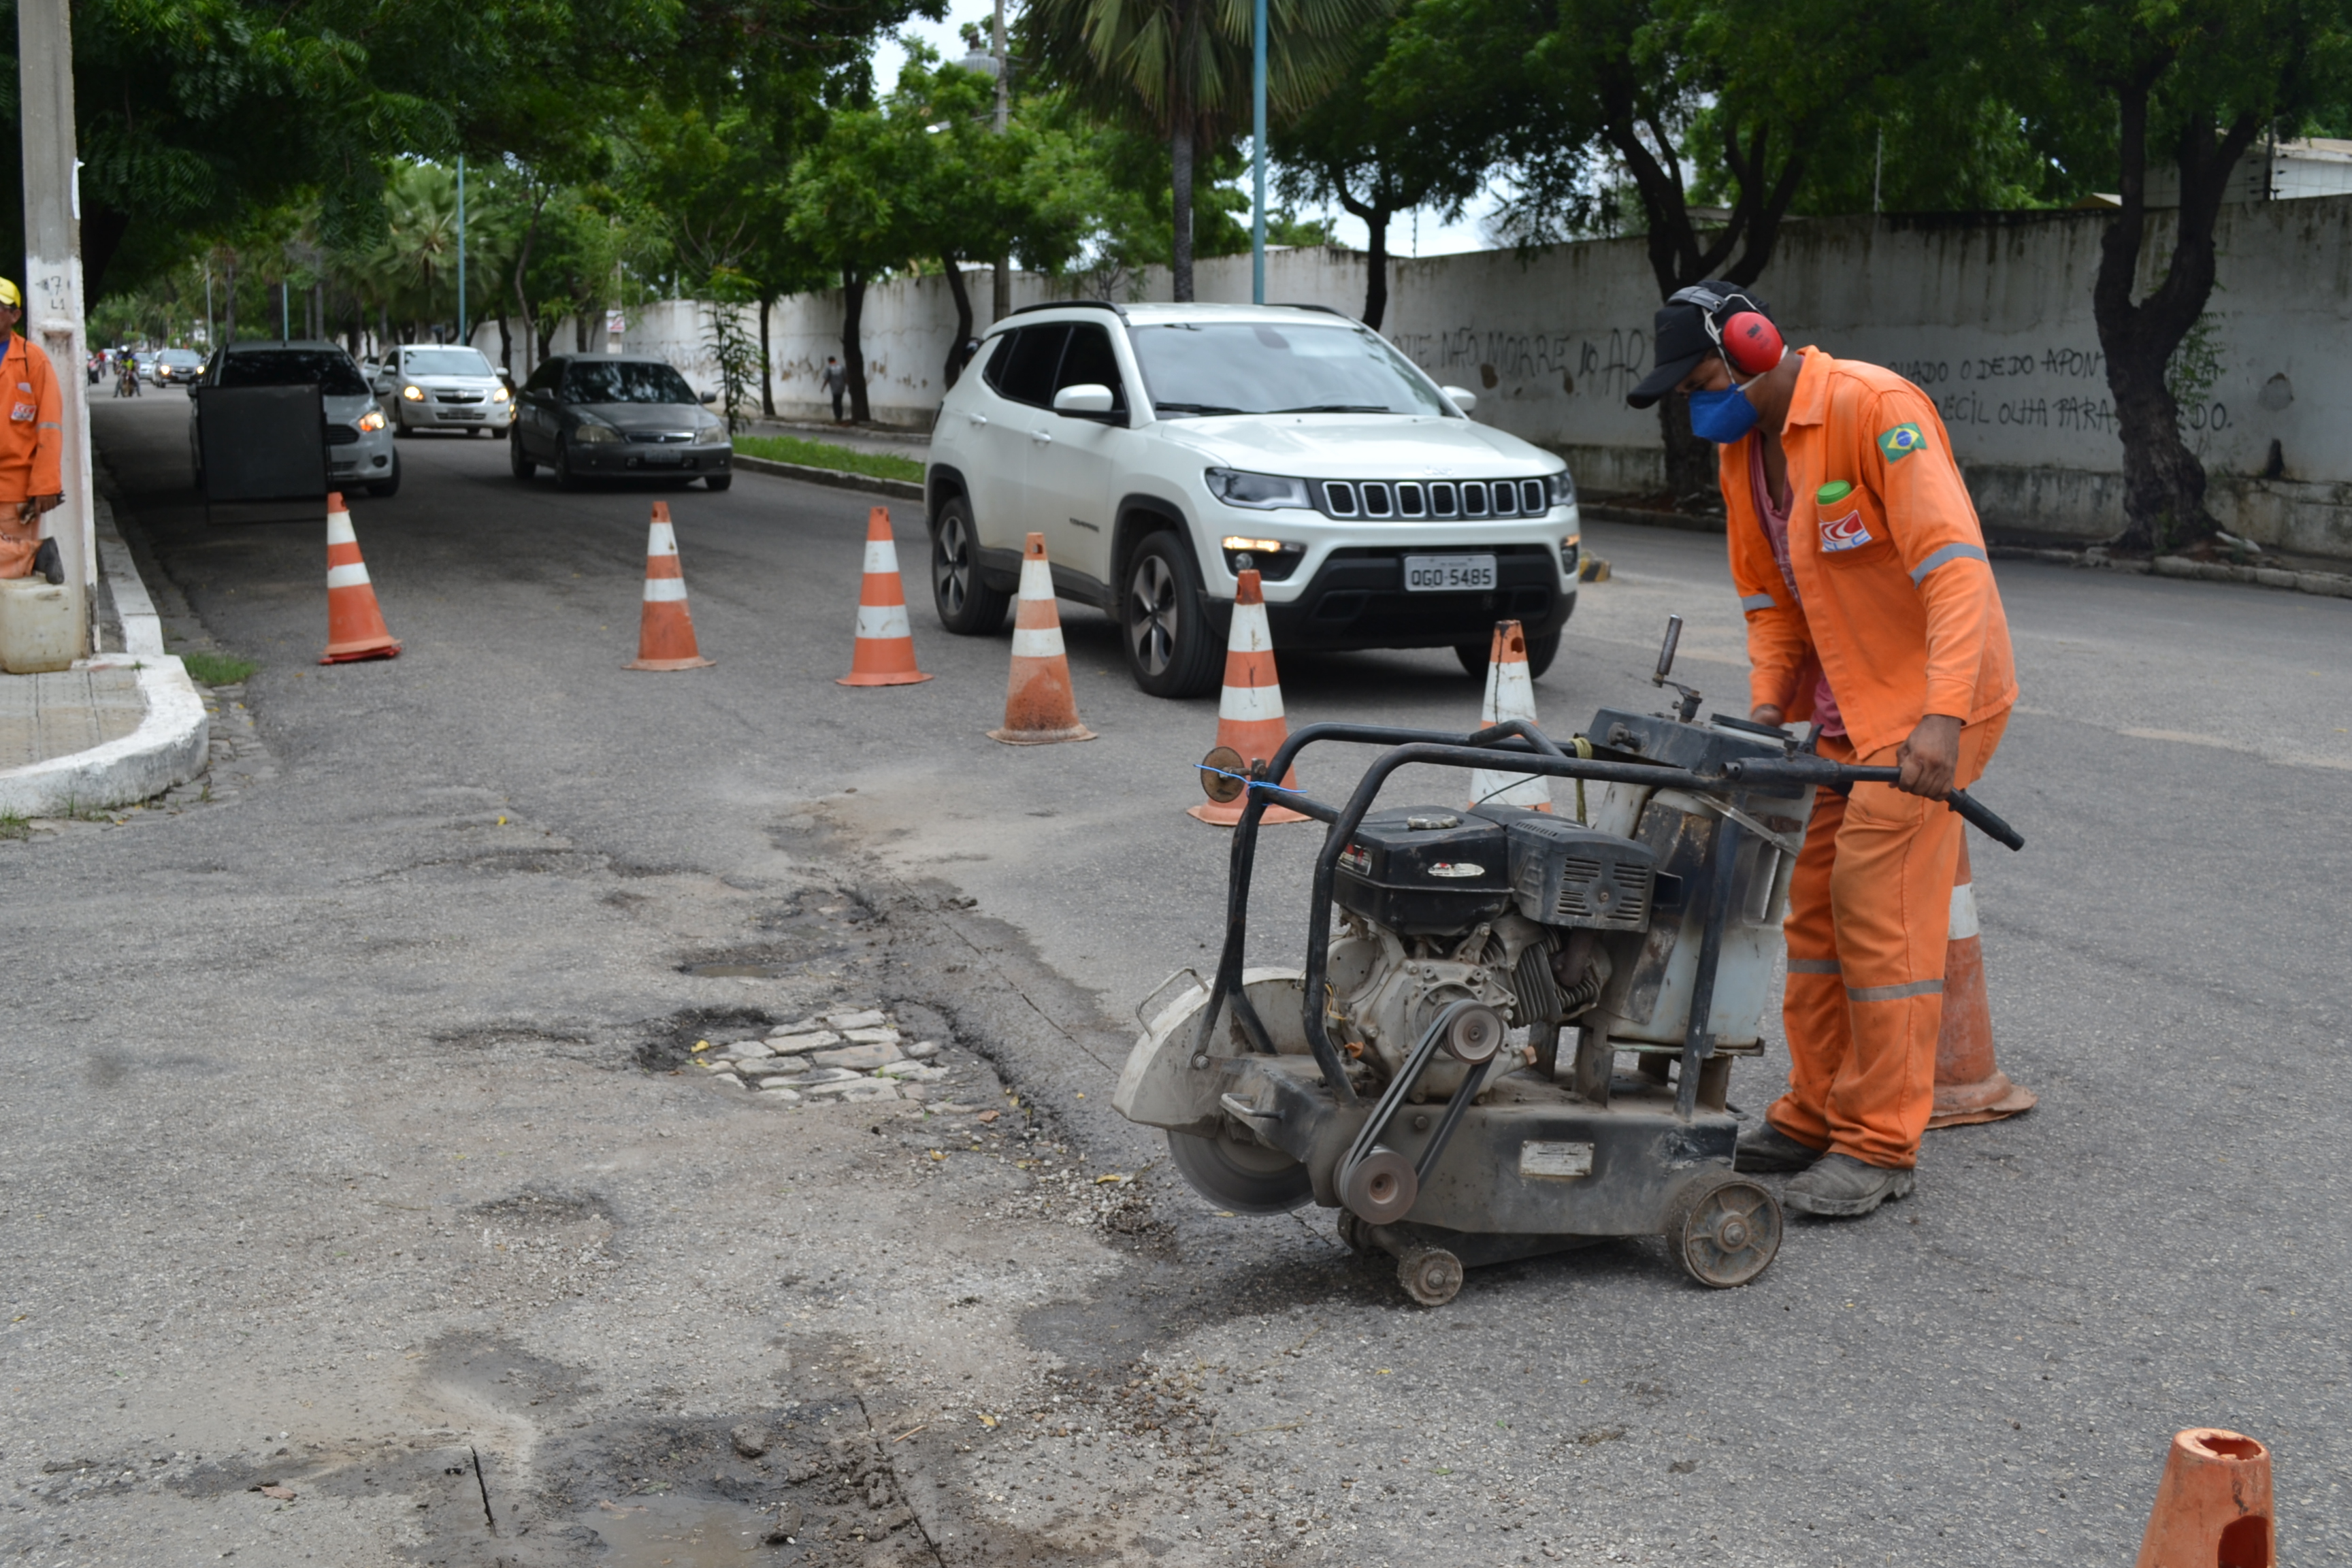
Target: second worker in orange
1871, 612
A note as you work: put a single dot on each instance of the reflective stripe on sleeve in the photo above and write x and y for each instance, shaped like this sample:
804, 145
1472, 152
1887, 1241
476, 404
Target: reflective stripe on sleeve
1759, 601
1893, 993
1814, 966
1949, 554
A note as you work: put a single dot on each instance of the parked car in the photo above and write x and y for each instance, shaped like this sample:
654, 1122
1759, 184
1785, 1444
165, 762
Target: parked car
358, 436
438, 386
1161, 449
177, 367
617, 416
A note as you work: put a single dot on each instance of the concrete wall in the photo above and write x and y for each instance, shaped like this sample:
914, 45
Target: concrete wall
1991, 315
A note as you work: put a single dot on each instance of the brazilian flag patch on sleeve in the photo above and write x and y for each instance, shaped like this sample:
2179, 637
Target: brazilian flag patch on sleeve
1902, 441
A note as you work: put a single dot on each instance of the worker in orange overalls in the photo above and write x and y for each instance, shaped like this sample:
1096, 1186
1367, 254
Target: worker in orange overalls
32, 440
1871, 611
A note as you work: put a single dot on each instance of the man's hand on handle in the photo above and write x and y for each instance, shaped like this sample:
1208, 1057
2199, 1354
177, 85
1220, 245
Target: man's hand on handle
31, 508
1930, 757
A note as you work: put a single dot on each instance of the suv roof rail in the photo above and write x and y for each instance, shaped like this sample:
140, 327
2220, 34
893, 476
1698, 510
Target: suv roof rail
1296, 305
1121, 311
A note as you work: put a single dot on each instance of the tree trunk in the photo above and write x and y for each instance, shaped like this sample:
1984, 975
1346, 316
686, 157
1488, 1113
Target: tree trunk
2164, 483
522, 265
853, 358
1180, 157
580, 329
505, 345
766, 362
228, 321
962, 297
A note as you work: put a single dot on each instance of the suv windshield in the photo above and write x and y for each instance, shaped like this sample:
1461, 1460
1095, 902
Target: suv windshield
625, 381
181, 357
1251, 367
447, 362
333, 369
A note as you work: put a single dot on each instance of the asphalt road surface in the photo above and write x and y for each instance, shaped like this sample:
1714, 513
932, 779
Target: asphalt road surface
346, 1150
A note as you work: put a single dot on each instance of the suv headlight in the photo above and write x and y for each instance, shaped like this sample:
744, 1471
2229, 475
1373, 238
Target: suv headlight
413, 393
1261, 492
594, 432
373, 419
499, 393
1559, 490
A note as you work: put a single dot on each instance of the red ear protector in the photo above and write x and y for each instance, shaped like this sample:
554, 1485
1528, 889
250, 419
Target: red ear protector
1749, 341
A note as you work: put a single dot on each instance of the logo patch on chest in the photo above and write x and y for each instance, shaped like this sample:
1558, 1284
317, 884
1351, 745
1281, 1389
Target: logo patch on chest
1847, 532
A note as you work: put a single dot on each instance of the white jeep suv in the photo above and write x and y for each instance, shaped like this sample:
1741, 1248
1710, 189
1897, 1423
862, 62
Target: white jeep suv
1162, 449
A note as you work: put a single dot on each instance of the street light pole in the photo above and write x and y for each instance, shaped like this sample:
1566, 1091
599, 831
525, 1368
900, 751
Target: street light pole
1000, 303
1258, 157
53, 294
462, 336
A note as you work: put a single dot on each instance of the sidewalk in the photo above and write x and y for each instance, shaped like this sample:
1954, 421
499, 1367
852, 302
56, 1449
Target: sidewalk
122, 726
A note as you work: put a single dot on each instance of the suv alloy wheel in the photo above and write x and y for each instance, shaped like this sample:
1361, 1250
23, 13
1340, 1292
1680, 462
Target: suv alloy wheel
967, 605
1163, 618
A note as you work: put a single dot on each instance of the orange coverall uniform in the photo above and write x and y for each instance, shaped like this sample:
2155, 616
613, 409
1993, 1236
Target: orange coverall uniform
1895, 601
32, 441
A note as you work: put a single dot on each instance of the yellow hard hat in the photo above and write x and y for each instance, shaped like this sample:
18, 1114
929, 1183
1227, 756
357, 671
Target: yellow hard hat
9, 297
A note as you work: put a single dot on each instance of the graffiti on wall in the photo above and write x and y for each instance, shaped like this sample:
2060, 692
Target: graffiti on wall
1597, 366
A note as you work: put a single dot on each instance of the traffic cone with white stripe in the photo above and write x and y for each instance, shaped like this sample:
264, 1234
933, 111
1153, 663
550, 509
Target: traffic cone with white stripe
1249, 711
1039, 708
1968, 1085
885, 654
1510, 694
355, 628
665, 629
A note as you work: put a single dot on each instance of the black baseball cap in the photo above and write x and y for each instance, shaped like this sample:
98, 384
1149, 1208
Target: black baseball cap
1680, 338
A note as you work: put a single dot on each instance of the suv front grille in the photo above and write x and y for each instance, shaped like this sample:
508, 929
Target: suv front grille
1416, 500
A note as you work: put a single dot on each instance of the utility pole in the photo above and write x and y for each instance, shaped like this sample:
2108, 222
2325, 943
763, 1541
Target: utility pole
53, 295
1258, 157
463, 335
209, 307
1000, 303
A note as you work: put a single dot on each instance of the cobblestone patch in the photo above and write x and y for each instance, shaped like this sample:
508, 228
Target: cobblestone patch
845, 1056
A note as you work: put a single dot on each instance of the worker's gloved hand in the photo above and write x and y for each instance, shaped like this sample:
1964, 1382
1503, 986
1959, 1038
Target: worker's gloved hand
1929, 757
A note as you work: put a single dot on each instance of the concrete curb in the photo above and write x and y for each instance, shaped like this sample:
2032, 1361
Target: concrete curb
172, 742
2328, 585
905, 489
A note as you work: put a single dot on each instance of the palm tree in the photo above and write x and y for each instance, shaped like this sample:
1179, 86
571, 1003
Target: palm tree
1181, 69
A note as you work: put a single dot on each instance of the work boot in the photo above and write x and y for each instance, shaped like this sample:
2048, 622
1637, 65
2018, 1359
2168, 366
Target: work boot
48, 563
1839, 1186
1765, 1147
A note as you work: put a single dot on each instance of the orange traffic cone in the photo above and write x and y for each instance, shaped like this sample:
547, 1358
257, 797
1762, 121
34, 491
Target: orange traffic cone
1249, 711
885, 654
2213, 1506
1510, 694
1038, 707
355, 628
1968, 1085
666, 630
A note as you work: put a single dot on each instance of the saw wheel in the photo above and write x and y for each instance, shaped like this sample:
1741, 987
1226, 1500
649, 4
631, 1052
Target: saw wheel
1241, 1174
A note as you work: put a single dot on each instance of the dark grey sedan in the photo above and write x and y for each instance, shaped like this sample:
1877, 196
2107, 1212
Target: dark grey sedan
623, 416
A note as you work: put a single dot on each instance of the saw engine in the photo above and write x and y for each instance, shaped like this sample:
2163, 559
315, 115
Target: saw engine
1514, 1031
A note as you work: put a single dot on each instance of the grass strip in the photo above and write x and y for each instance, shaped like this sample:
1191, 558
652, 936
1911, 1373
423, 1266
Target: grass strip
218, 668
825, 455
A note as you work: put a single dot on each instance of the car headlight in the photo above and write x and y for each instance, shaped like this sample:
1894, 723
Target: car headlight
412, 393
594, 433
1559, 490
1261, 492
373, 419
499, 395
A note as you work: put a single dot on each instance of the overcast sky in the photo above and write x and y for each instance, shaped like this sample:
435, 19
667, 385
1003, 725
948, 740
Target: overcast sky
1429, 237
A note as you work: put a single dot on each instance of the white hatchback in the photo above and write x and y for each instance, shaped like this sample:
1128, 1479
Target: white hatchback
1162, 449
443, 386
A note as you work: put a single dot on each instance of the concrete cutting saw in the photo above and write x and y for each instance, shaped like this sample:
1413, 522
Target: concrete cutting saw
1630, 948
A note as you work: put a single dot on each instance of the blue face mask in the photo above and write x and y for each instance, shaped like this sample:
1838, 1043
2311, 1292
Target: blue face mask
1722, 417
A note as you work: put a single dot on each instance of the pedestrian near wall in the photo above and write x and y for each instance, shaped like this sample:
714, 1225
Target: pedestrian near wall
32, 442
837, 386
1871, 611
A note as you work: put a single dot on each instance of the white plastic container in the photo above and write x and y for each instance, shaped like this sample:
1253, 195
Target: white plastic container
37, 627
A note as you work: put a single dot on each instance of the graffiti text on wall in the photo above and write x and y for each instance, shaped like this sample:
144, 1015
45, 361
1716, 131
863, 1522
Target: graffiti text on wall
1604, 367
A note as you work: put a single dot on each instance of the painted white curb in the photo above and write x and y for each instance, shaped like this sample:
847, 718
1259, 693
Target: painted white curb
172, 740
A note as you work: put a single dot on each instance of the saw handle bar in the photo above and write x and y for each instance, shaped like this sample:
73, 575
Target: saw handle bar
1828, 774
